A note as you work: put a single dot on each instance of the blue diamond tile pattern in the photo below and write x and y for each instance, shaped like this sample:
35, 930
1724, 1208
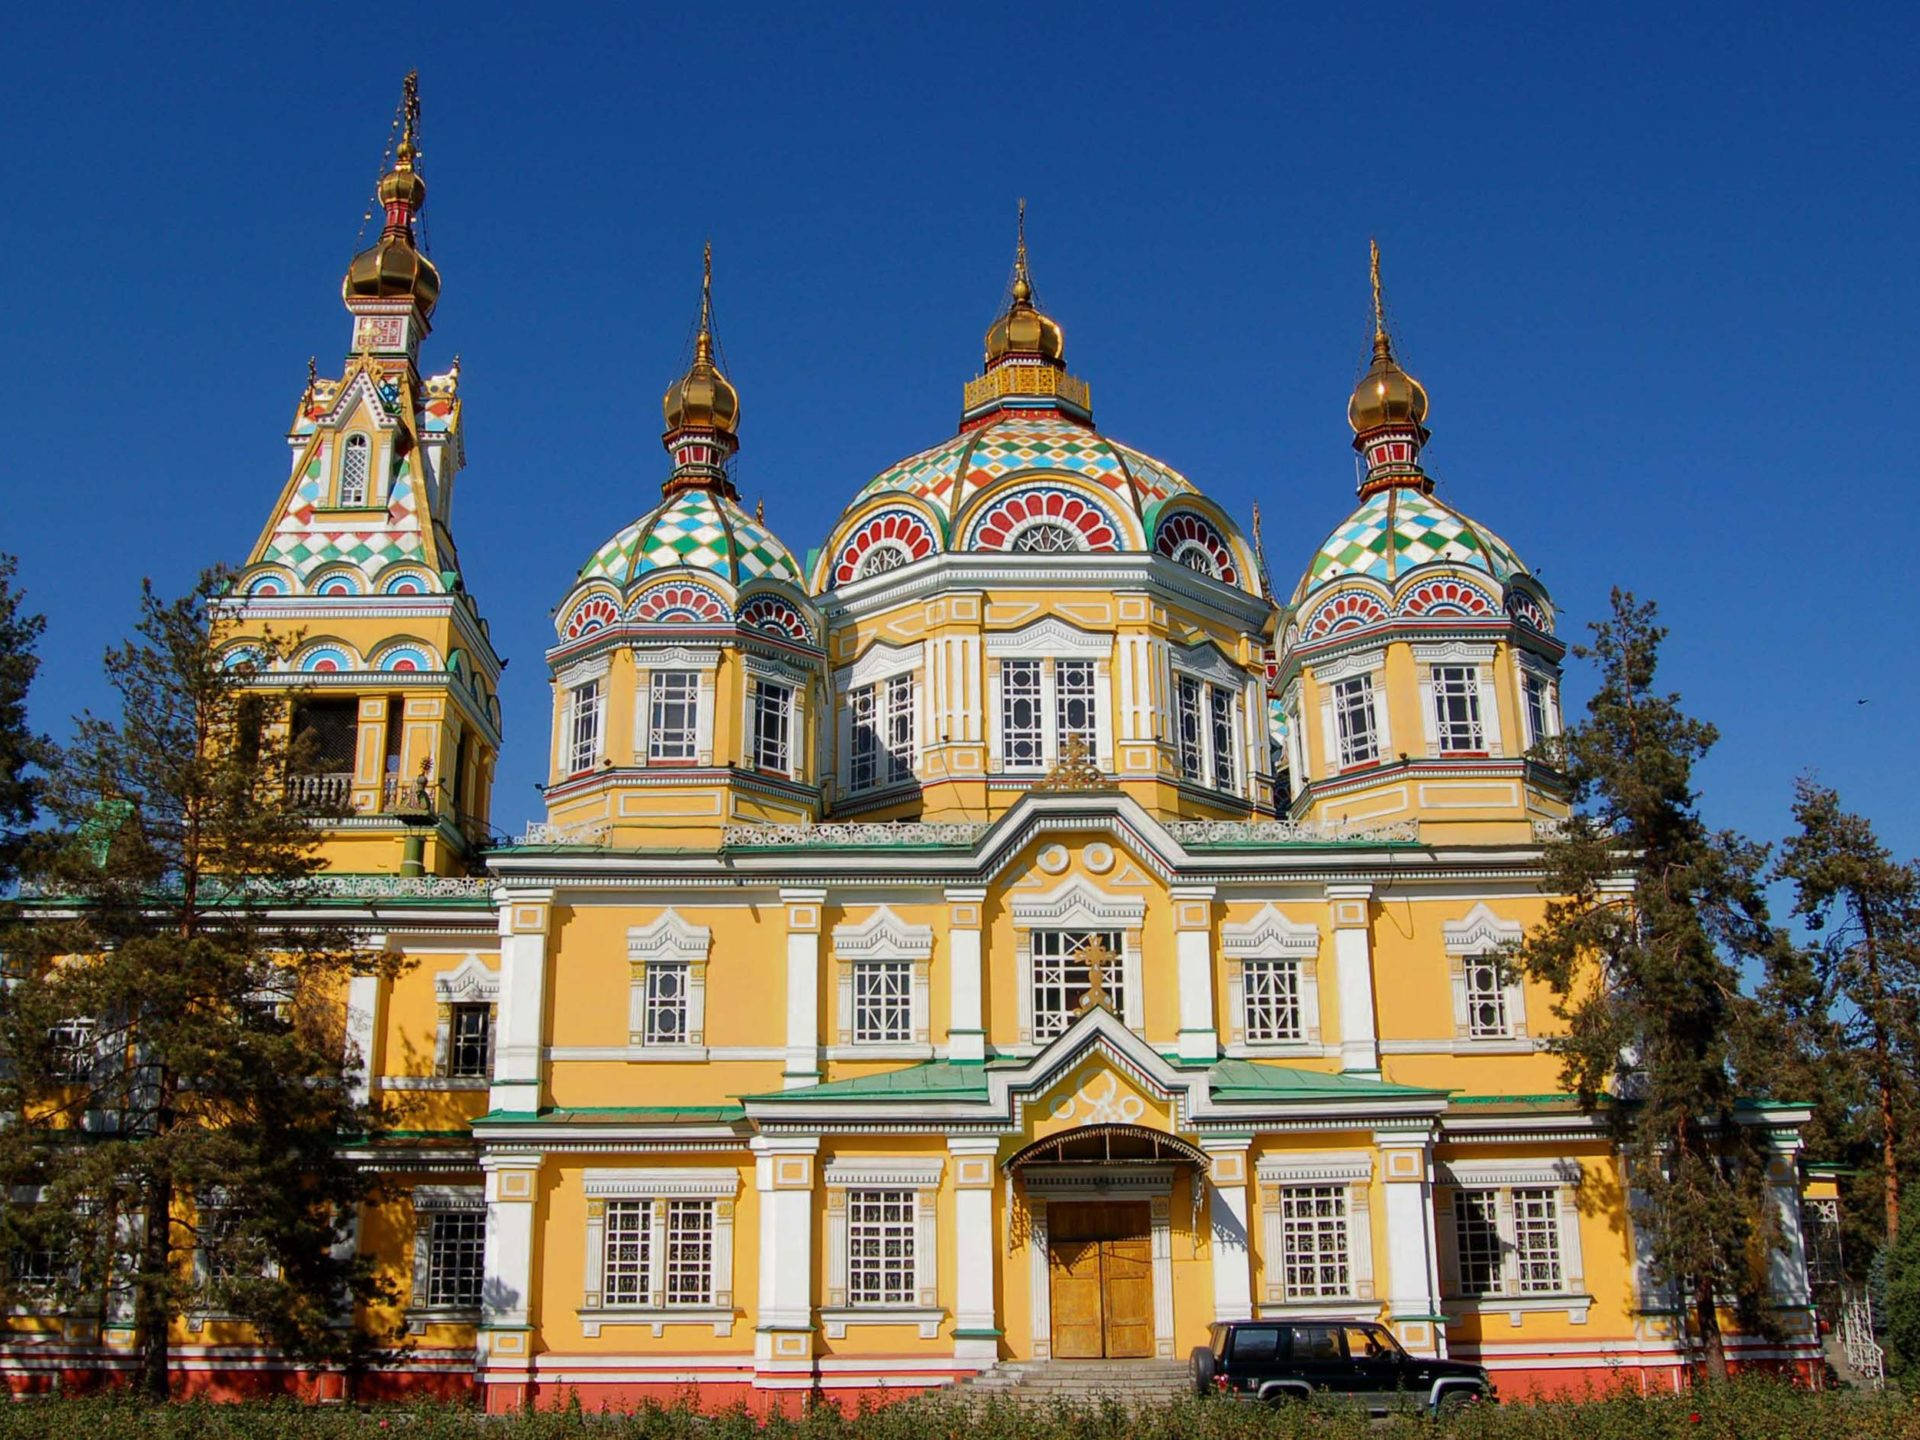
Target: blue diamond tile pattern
697, 530
1399, 528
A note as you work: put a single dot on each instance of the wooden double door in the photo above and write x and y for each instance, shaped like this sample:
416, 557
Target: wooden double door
1100, 1262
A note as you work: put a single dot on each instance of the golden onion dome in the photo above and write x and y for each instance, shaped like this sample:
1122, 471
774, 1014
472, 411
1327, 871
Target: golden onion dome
1386, 394
703, 398
1024, 329
392, 267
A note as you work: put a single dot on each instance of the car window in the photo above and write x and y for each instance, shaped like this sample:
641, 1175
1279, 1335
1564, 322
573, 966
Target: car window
1315, 1343
1256, 1344
1366, 1343
1217, 1336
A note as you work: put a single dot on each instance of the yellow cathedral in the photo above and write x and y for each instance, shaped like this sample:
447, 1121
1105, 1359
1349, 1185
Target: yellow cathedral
1022, 932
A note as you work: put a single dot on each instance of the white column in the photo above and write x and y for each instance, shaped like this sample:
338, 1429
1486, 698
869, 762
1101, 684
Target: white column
1351, 909
1193, 949
506, 1317
1787, 1264
363, 1029
1413, 1267
976, 1180
524, 919
783, 1167
803, 986
966, 1030
1227, 1226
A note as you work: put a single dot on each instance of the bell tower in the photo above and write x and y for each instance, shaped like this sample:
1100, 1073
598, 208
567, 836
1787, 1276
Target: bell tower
393, 680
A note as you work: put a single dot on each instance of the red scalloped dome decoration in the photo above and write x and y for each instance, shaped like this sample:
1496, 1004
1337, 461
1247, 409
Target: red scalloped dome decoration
1000, 527
668, 603
781, 617
1351, 611
591, 614
1187, 538
901, 531
1528, 611
1446, 596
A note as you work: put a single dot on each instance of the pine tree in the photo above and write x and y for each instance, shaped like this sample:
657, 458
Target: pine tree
21, 751
1647, 976
169, 1010
1853, 997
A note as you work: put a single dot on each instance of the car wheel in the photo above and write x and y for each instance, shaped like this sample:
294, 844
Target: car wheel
1200, 1362
1454, 1401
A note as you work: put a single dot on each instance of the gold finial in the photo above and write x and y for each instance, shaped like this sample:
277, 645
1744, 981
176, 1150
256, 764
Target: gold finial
313, 375
409, 120
1096, 957
760, 511
1380, 341
1022, 281
703, 346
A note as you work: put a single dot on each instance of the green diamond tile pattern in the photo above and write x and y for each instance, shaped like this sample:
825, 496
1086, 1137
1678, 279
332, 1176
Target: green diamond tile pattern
1397, 529
304, 539
699, 530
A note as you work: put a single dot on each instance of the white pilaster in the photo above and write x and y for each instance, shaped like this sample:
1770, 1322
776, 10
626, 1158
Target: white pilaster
783, 1167
1350, 908
1413, 1263
966, 1032
506, 1316
363, 1027
803, 986
976, 1179
1193, 949
1226, 1183
1787, 1264
524, 919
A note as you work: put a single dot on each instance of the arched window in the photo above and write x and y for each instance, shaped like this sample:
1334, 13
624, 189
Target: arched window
1046, 538
880, 559
356, 466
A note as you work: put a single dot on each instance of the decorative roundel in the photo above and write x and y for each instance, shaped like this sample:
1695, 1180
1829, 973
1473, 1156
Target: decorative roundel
883, 542
1045, 520
402, 659
1189, 539
781, 617
238, 656
1528, 611
593, 613
267, 585
680, 601
407, 582
1353, 610
336, 584
326, 660
1445, 595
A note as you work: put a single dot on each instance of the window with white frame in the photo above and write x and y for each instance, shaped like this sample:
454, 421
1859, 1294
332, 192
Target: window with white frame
356, 471
667, 963
882, 1236
1273, 984
689, 1267
883, 1002
74, 1045
1489, 1001
1820, 1224
1536, 1240
882, 740
1476, 1230
627, 1269
1358, 736
770, 726
1316, 1225
1514, 1231
1225, 737
883, 966
1192, 745
1074, 700
39, 1265
659, 1241
1537, 706
880, 1243
1063, 976
1046, 687
664, 1018
1270, 1002
1022, 741
470, 1041
1456, 709
1207, 721
586, 706
1313, 1242
673, 712
456, 1259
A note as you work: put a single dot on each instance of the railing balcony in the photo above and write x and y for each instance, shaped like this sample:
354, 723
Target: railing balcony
415, 796
328, 791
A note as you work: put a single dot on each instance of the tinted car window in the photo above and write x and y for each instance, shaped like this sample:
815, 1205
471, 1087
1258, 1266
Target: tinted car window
1312, 1343
1366, 1343
1256, 1344
1217, 1335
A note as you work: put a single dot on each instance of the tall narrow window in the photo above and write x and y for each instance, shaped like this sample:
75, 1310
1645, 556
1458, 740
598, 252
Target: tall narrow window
863, 770
689, 1252
1476, 1235
1192, 750
881, 744
1220, 710
882, 1002
1533, 694
1062, 976
899, 729
1074, 702
1456, 709
583, 740
1270, 995
1487, 998
770, 738
456, 1259
881, 1235
627, 1259
74, 1050
1020, 737
1313, 1241
1536, 1240
673, 715
470, 1042
666, 1003
1353, 721
356, 468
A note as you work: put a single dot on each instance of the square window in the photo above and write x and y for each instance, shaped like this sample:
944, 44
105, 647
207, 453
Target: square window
1270, 1002
1062, 976
882, 1002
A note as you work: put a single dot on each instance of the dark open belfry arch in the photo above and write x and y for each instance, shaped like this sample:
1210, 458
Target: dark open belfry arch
1108, 1145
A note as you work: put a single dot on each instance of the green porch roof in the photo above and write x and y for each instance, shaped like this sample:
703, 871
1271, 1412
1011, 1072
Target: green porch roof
1252, 1080
932, 1080
616, 1115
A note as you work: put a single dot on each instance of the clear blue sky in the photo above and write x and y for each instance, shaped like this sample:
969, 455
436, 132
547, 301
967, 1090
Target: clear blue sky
1654, 263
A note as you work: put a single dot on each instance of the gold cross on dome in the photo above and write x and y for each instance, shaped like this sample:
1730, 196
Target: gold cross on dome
1096, 957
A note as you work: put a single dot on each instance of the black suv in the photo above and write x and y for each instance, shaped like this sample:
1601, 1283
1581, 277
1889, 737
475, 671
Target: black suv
1276, 1361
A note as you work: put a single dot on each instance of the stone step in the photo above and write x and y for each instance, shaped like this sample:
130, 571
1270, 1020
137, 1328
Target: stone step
1130, 1381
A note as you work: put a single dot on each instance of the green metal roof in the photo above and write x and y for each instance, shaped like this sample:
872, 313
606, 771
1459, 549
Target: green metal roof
1251, 1080
934, 1080
616, 1115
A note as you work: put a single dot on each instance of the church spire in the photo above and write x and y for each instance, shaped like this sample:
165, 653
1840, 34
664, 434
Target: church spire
391, 279
1024, 367
702, 410
1388, 409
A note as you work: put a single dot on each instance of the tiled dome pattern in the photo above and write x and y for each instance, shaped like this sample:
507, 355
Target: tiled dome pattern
1399, 528
697, 529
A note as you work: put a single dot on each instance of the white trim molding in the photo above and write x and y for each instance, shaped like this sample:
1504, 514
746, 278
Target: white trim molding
1077, 904
669, 940
718, 1186
922, 1177
1478, 937
1351, 1171
1270, 935
884, 936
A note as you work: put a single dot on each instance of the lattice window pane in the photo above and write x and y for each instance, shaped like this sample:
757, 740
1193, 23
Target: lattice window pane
1456, 708
1486, 999
864, 768
1476, 1239
1220, 707
1353, 721
689, 1252
1313, 1241
1187, 706
356, 469
674, 715
1073, 703
1061, 976
899, 729
881, 1232
470, 1041
627, 1255
1533, 691
1536, 1240
882, 1002
456, 1258
583, 744
1270, 999
1020, 740
772, 738
666, 1004
74, 1050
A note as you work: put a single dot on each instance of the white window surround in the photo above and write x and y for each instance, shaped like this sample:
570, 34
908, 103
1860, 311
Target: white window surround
1269, 935
1077, 905
759, 669
1481, 935
428, 1201
704, 661
1046, 641
719, 1186
1459, 652
568, 683
923, 1178
883, 935
880, 664
1354, 1170
1368, 664
471, 982
668, 940
1216, 674
1548, 676
1503, 1177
